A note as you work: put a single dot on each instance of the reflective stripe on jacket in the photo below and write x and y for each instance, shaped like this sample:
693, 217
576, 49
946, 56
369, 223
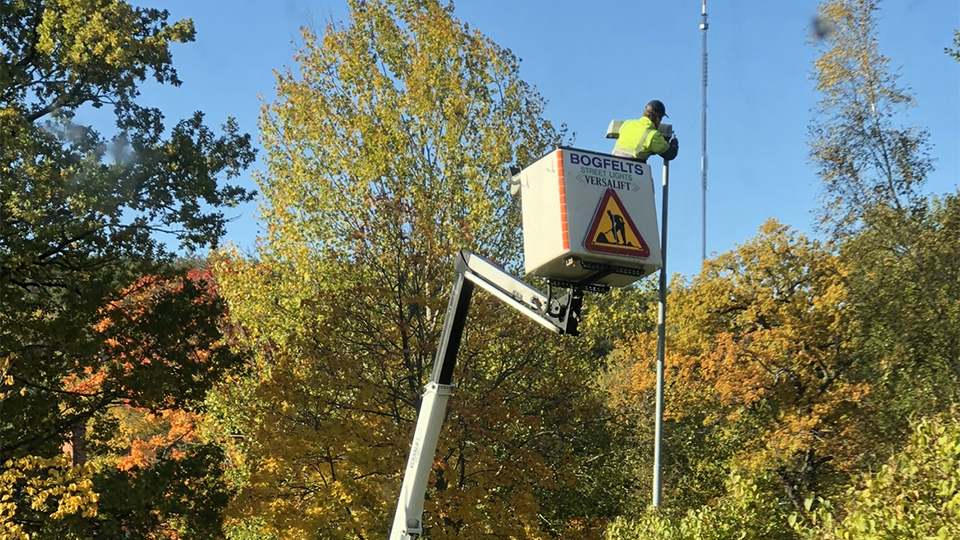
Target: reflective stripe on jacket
640, 139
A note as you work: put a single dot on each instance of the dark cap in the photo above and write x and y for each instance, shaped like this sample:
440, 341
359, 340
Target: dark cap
658, 107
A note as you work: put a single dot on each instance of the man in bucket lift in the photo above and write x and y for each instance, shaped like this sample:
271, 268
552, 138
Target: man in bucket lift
639, 139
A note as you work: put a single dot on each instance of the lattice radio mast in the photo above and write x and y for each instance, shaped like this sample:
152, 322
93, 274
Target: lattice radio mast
703, 136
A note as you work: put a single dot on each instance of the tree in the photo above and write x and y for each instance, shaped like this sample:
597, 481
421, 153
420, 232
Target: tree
745, 511
611, 320
906, 295
793, 364
87, 283
955, 52
872, 170
143, 466
386, 153
761, 359
898, 241
912, 495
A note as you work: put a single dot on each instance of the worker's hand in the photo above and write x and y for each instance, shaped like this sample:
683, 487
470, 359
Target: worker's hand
671, 152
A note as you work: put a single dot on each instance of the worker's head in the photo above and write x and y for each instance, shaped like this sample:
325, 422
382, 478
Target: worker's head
656, 111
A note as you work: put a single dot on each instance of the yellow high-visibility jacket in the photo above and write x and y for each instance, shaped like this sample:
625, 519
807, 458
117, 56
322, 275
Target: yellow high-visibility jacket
640, 139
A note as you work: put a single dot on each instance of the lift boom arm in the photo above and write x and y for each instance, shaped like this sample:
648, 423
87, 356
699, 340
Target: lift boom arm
560, 315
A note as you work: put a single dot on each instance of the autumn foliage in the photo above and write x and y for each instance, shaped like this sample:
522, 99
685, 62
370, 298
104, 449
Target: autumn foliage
384, 157
134, 414
761, 354
812, 381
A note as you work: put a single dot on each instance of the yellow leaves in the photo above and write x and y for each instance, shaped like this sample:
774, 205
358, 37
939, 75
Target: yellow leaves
385, 154
869, 166
108, 37
48, 486
6, 379
396, 109
759, 351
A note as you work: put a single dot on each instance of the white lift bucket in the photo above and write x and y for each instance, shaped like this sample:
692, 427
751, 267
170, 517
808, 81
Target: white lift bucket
585, 212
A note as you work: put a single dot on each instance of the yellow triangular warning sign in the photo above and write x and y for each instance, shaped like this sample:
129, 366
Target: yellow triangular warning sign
612, 230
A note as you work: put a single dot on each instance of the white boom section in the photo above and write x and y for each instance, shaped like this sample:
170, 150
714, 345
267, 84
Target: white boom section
507, 288
471, 270
407, 521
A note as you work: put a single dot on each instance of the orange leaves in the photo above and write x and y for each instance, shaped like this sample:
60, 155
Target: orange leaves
126, 337
87, 382
760, 349
177, 430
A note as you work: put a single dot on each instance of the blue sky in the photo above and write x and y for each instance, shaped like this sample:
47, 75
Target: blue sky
600, 60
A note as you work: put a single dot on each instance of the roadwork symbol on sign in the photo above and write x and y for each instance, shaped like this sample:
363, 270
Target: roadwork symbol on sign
612, 230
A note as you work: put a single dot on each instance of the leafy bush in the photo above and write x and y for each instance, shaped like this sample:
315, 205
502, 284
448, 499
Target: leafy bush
745, 512
915, 495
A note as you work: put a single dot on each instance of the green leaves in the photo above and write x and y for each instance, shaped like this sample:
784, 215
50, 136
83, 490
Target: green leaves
955, 52
799, 364
410, 112
893, 235
95, 315
91, 52
745, 512
386, 153
866, 162
913, 495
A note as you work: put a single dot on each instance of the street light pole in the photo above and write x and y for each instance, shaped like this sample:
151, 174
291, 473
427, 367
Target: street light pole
661, 338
